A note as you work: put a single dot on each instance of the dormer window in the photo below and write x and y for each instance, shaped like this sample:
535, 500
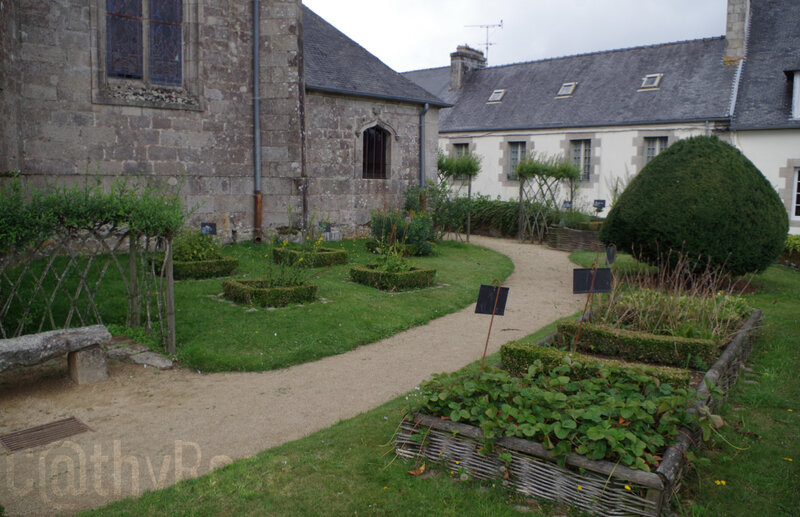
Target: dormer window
651, 81
496, 96
566, 89
794, 77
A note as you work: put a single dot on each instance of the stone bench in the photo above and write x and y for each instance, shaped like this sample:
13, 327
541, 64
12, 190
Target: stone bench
87, 360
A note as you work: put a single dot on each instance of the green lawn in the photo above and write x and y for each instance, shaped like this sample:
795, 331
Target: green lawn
349, 468
216, 335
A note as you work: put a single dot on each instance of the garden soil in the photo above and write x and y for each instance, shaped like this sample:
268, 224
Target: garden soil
151, 428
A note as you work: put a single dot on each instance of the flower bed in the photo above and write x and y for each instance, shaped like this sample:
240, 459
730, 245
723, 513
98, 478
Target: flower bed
414, 278
598, 486
267, 294
320, 257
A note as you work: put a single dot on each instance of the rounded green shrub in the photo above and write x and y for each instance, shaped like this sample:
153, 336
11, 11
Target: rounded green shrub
704, 199
191, 246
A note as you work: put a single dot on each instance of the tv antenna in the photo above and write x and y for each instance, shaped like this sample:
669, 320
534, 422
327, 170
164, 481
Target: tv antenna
487, 27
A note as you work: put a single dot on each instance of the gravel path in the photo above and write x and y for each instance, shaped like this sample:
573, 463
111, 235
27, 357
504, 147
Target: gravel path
153, 428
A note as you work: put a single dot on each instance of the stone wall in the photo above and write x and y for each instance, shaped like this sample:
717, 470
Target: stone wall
77, 120
8, 86
334, 126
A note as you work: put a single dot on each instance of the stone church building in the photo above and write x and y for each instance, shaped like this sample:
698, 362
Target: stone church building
259, 107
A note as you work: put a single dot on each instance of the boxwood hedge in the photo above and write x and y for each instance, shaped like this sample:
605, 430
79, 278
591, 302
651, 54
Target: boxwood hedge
638, 346
416, 278
258, 292
517, 357
320, 258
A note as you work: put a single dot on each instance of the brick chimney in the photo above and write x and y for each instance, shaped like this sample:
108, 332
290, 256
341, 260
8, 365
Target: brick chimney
736, 30
463, 60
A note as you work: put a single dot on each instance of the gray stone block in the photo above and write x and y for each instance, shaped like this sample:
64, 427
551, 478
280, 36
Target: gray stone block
37, 348
88, 365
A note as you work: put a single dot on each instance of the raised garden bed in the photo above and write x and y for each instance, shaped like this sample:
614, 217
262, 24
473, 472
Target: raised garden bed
259, 292
320, 258
598, 487
569, 239
415, 278
203, 268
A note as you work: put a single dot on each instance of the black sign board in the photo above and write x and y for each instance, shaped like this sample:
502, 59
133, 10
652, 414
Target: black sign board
486, 298
566, 205
611, 255
208, 228
582, 280
599, 204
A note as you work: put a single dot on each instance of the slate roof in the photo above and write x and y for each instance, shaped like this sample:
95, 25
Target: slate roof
335, 63
695, 87
765, 93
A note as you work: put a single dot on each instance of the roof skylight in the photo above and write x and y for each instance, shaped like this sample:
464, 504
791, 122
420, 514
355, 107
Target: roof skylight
496, 96
651, 81
566, 89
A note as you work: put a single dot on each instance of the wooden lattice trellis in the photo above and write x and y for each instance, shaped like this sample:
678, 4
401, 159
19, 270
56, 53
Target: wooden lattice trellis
58, 283
538, 197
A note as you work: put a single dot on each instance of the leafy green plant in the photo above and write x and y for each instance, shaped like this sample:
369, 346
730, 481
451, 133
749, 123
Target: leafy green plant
792, 244
601, 412
192, 245
412, 232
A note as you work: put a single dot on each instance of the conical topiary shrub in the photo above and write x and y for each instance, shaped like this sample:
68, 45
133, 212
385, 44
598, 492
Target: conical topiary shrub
704, 198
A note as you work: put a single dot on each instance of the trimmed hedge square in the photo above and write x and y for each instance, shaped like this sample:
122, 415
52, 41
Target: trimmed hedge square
321, 258
257, 292
637, 346
517, 357
203, 268
416, 278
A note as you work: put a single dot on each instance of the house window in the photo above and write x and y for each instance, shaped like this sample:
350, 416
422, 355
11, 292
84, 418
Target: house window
460, 149
376, 143
796, 199
581, 154
653, 146
516, 152
566, 89
497, 96
651, 81
144, 40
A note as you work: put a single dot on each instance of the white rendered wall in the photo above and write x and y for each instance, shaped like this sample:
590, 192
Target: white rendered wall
776, 154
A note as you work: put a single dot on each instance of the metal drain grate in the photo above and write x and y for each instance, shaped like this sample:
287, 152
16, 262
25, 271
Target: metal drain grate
43, 434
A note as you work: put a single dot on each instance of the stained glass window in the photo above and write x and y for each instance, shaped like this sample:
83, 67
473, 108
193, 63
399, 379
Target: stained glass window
126, 49
124, 38
165, 42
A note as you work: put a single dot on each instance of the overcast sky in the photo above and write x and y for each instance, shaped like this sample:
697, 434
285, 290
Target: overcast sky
415, 34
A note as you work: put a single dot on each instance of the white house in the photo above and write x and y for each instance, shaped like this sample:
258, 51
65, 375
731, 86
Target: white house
611, 112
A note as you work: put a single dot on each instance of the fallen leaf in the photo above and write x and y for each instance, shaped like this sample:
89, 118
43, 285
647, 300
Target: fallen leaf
418, 471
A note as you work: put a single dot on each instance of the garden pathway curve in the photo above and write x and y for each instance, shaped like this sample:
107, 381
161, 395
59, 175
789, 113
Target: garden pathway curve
149, 427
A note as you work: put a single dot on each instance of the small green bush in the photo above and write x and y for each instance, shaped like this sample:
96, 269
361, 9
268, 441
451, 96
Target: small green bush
415, 278
704, 198
638, 346
191, 246
322, 257
413, 231
517, 357
267, 294
791, 251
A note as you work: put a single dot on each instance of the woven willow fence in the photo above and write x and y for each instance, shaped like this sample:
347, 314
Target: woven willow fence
69, 256
598, 487
58, 284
